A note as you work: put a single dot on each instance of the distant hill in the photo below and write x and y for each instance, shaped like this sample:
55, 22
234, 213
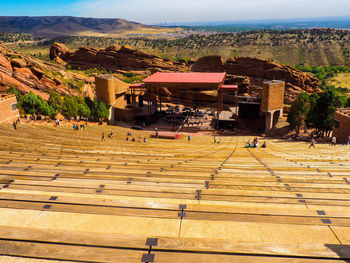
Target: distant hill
73, 26
274, 24
318, 47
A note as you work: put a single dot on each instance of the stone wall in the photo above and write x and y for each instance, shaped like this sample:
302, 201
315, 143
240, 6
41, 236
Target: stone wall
342, 116
105, 89
272, 95
7, 114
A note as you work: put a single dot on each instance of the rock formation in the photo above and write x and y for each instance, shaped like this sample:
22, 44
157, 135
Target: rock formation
245, 72
30, 74
257, 71
209, 64
114, 58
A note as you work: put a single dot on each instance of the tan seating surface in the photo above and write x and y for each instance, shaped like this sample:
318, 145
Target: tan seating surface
67, 196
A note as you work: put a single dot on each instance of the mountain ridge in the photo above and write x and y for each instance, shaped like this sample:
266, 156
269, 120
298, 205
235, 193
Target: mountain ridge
70, 25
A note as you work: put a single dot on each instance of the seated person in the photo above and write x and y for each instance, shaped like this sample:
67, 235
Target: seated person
133, 139
264, 145
111, 134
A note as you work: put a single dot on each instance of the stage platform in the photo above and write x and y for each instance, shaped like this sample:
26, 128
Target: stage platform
166, 135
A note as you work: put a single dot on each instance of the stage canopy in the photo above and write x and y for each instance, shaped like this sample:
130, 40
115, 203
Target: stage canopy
186, 80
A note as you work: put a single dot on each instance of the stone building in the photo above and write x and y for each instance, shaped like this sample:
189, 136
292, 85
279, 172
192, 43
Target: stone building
272, 96
113, 93
8, 109
126, 101
342, 125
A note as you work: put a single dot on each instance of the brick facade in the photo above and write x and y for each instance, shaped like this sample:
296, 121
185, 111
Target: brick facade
342, 129
7, 106
272, 95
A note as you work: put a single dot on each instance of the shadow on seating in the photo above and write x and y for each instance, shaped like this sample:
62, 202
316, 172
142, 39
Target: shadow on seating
343, 251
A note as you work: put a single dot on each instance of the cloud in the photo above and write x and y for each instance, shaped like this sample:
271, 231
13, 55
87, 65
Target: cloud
153, 11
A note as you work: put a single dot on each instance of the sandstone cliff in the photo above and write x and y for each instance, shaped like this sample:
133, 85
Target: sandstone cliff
30, 74
114, 58
257, 71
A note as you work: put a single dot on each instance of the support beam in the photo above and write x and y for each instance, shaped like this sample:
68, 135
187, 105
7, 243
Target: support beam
149, 105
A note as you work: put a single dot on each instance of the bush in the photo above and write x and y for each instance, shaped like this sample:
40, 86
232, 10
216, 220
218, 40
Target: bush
69, 108
55, 102
30, 103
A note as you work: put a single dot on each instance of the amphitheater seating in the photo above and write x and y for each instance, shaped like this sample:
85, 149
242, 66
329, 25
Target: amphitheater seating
68, 196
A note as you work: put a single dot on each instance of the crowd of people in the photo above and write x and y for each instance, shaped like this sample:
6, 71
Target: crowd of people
76, 126
255, 143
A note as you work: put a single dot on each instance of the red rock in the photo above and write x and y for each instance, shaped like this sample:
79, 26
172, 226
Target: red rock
7, 81
26, 72
5, 65
59, 50
17, 62
209, 64
113, 58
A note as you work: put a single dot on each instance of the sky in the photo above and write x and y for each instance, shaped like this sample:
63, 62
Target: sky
169, 11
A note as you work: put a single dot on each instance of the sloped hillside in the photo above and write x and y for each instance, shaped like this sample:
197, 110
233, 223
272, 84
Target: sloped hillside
71, 26
30, 74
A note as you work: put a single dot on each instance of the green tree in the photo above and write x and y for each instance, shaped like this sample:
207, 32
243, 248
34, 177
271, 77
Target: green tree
312, 112
83, 111
44, 108
30, 103
299, 111
55, 102
102, 113
325, 108
69, 108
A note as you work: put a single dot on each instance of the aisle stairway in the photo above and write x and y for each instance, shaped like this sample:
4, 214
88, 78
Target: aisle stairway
67, 195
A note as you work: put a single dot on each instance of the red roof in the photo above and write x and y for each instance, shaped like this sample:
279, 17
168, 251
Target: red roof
228, 87
200, 78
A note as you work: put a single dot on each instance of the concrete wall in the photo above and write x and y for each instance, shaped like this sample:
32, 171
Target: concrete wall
343, 132
272, 95
6, 112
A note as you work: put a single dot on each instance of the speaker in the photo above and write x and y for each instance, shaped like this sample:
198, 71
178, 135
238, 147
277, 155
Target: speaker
128, 99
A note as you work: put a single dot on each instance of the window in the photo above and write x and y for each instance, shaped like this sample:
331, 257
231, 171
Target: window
14, 107
337, 124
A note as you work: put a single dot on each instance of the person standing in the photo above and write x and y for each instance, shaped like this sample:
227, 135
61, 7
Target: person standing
334, 141
103, 137
14, 125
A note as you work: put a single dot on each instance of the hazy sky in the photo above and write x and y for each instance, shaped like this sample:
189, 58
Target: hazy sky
156, 11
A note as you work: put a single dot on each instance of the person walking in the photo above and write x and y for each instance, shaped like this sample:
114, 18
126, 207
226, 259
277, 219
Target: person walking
312, 143
103, 137
14, 125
